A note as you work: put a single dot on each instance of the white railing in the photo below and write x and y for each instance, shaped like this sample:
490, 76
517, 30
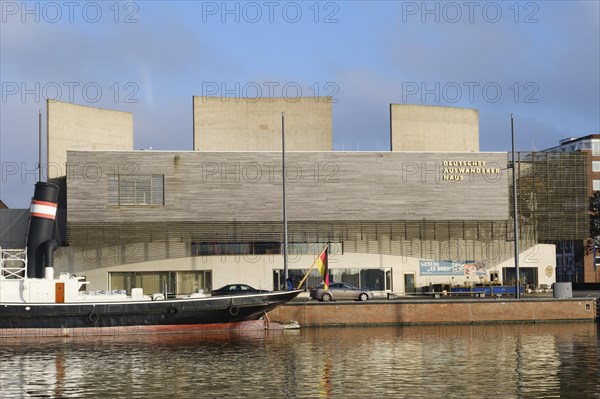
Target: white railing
13, 263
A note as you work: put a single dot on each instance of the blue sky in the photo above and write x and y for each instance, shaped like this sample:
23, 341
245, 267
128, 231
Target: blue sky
537, 59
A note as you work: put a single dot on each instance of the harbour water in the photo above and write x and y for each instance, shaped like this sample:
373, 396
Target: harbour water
452, 361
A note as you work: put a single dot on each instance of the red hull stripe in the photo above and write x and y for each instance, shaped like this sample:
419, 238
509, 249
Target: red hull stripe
250, 329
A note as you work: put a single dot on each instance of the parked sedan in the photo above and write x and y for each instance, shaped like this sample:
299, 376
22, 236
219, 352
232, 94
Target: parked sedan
236, 289
338, 291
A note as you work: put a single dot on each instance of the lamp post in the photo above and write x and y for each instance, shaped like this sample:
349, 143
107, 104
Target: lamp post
285, 241
515, 210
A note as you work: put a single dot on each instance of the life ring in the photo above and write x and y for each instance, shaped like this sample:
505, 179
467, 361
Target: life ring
93, 317
234, 310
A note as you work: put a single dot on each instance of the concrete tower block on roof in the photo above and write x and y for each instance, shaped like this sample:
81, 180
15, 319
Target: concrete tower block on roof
254, 124
433, 128
78, 127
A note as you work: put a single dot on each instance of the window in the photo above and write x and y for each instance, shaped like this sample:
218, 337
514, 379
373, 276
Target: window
198, 248
585, 145
234, 248
315, 248
151, 282
595, 166
595, 147
136, 190
195, 281
528, 276
596, 185
370, 279
597, 252
175, 283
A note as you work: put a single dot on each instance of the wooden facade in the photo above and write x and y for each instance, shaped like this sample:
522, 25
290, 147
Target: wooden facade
333, 186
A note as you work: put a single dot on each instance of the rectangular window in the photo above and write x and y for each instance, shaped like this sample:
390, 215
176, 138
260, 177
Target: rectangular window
150, 282
296, 276
368, 279
595, 147
175, 283
596, 185
195, 281
198, 248
136, 190
595, 166
314, 249
231, 248
585, 145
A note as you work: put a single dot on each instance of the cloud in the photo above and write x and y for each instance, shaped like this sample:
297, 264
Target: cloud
153, 67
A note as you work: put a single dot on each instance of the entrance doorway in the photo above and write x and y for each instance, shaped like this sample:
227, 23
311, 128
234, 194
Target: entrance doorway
409, 282
529, 276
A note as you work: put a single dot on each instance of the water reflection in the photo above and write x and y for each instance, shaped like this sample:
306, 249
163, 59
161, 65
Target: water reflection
504, 360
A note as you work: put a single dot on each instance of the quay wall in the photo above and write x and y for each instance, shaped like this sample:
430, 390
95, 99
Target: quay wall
437, 311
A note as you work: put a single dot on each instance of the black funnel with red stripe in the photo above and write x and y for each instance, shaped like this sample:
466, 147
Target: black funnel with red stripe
41, 224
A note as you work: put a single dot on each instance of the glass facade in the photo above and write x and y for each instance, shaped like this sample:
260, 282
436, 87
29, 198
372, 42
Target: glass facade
173, 283
529, 276
365, 278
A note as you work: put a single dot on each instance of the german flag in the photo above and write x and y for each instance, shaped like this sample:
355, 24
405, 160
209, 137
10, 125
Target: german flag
323, 267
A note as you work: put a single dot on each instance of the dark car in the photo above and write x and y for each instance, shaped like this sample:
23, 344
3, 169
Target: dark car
340, 291
236, 289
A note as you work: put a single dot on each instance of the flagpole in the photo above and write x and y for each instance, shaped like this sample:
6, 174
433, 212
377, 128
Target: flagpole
311, 267
285, 239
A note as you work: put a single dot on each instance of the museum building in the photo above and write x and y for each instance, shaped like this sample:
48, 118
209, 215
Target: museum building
431, 210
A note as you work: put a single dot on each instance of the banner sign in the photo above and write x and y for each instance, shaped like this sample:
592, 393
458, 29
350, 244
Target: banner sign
450, 268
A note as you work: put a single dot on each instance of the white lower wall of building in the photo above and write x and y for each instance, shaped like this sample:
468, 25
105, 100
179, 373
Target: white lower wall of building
540, 256
258, 270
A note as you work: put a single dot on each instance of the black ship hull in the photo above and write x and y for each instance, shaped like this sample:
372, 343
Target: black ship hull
176, 312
